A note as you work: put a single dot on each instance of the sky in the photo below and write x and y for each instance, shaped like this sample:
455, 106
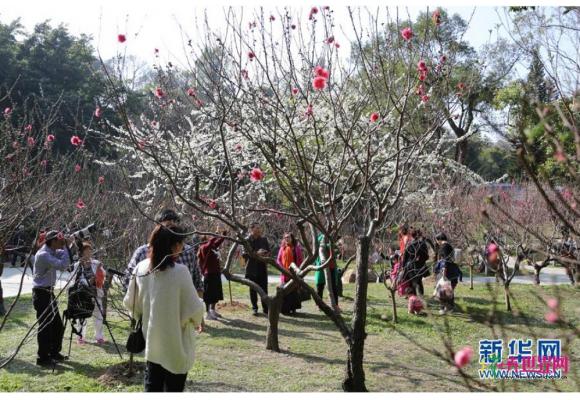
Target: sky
152, 24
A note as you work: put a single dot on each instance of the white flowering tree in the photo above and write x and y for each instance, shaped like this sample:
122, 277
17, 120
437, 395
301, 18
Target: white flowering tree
272, 119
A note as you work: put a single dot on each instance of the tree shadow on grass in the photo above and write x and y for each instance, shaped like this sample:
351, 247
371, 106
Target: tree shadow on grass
412, 374
309, 320
233, 331
311, 358
194, 386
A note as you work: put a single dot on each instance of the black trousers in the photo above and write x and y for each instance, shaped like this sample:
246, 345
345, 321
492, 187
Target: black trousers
418, 286
320, 287
158, 379
50, 327
262, 281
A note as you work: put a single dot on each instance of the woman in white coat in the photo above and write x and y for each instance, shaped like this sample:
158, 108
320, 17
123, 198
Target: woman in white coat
162, 294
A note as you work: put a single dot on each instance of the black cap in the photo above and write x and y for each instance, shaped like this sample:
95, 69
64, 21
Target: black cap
168, 215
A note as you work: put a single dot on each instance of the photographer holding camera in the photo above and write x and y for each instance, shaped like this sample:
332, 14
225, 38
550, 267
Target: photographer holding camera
48, 260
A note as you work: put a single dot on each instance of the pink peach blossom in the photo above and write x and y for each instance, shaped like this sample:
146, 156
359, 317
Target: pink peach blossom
256, 175
407, 33
319, 83
76, 141
463, 357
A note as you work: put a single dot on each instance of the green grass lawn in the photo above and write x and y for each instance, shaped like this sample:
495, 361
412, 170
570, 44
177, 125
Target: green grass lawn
231, 355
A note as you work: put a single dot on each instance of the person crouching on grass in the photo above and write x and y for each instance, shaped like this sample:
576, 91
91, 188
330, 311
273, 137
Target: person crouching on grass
162, 294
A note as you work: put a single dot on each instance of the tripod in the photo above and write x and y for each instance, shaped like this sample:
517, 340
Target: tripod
69, 316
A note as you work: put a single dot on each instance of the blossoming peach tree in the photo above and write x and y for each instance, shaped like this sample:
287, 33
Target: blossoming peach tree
273, 119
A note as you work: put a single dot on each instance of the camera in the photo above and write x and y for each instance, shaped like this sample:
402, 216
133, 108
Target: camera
85, 232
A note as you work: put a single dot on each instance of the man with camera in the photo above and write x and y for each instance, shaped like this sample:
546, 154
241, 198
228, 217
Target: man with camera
169, 218
49, 259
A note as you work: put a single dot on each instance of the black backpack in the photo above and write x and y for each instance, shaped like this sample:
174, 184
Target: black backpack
81, 299
81, 302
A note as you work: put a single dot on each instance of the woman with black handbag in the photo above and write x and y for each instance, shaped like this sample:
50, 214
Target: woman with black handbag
161, 296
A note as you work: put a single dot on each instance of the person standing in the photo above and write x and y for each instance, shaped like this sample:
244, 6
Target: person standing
325, 251
290, 252
209, 261
92, 273
48, 260
447, 268
162, 295
257, 270
414, 258
169, 218
404, 238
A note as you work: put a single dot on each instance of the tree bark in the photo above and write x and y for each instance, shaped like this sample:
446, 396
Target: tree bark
273, 318
537, 270
508, 303
354, 380
461, 151
394, 304
471, 277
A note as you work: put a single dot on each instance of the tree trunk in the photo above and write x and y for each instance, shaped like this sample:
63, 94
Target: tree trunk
354, 380
393, 302
273, 318
331, 294
508, 304
537, 270
471, 277
461, 152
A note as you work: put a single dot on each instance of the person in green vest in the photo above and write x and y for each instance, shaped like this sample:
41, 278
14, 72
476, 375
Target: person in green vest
325, 250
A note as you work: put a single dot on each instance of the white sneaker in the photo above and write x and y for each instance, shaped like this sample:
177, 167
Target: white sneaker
210, 317
215, 313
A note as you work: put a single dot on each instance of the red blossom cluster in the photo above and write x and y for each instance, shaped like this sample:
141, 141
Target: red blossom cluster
436, 17
313, 12
159, 93
256, 175
422, 68
76, 141
321, 76
407, 33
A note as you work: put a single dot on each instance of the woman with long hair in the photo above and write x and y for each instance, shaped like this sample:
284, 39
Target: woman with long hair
290, 252
162, 294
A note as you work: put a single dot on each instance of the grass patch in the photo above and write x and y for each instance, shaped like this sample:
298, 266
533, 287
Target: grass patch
231, 355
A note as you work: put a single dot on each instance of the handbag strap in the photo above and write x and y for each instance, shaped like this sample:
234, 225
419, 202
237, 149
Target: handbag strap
136, 324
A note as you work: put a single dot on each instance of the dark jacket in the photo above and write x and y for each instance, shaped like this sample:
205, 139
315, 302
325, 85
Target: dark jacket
254, 267
414, 259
